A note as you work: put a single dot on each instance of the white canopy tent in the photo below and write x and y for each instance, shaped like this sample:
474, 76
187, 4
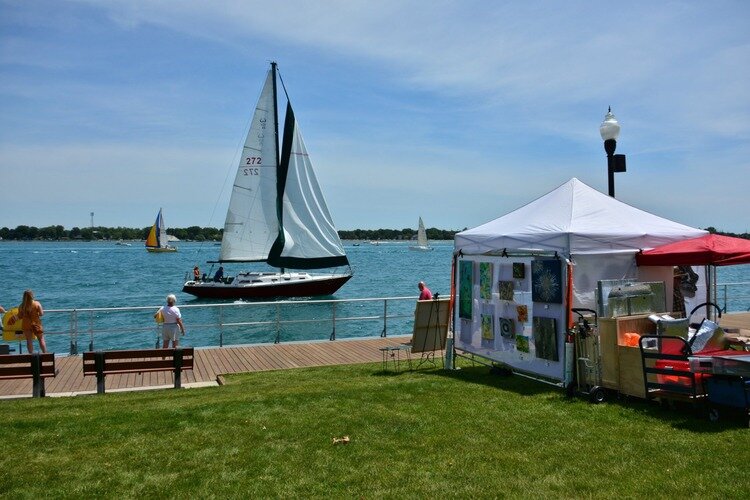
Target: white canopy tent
598, 233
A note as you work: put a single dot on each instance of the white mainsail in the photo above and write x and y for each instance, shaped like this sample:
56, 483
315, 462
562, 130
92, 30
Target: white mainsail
422, 235
162, 243
252, 225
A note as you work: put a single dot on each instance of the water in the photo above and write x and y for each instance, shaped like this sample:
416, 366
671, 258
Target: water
82, 275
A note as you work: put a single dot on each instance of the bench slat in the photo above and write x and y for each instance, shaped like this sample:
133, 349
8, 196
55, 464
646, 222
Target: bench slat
138, 353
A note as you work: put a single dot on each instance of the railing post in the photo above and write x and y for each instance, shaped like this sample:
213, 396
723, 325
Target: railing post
73, 332
221, 326
91, 330
384, 333
725, 298
278, 324
333, 320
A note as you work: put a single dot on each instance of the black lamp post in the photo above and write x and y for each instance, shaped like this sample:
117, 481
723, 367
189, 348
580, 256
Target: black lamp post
610, 130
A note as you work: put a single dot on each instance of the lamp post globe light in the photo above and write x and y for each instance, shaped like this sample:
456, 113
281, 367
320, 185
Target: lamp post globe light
610, 131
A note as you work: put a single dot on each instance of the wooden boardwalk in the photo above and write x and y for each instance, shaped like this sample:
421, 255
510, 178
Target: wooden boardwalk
210, 363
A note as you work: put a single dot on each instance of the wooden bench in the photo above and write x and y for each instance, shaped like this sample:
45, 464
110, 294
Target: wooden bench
37, 366
103, 363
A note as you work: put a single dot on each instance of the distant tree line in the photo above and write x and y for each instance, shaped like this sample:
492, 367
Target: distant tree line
195, 233
395, 234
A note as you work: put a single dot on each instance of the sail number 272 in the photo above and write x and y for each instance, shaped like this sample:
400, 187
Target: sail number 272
251, 160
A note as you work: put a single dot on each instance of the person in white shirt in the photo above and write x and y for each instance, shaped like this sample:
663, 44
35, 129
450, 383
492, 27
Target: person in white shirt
172, 322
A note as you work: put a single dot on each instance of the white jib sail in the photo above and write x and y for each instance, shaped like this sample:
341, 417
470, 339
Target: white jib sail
251, 225
421, 235
308, 226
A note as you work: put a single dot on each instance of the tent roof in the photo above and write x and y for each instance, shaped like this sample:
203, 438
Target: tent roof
574, 219
709, 249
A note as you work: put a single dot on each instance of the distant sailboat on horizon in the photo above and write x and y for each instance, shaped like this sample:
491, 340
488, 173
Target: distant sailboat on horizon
422, 244
156, 241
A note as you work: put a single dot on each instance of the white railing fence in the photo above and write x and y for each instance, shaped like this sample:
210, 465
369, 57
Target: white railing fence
78, 330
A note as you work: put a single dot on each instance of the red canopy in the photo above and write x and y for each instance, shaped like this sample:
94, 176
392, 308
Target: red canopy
709, 249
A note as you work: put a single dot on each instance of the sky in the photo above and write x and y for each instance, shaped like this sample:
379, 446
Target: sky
456, 111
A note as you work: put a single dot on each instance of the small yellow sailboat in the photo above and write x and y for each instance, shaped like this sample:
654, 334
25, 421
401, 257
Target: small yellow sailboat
157, 237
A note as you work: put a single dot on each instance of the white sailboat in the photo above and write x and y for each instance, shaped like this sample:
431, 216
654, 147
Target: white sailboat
156, 241
276, 215
422, 244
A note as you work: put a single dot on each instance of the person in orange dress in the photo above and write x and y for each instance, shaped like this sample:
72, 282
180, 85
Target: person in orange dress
31, 312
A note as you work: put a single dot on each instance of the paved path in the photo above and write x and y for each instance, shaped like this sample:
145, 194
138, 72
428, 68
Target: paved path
210, 362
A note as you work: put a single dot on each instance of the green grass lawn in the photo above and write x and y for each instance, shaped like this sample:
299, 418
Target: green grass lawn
428, 433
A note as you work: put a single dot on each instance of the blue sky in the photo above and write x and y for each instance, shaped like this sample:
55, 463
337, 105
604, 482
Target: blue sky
458, 111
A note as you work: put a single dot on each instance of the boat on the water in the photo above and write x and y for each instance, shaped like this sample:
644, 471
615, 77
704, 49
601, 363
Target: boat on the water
277, 215
422, 244
156, 241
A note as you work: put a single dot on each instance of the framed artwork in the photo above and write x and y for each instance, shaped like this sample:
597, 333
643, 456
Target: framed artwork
545, 338
546, 281
506, 290
519, 270
466, 290
507, 328
522, 343
488, 332
522, 312
485, 280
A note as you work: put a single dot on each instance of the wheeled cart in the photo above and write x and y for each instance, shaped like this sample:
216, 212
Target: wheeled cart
728, 394
587, 356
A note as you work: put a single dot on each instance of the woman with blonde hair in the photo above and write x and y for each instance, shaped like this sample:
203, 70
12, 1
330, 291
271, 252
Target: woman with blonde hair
31, 312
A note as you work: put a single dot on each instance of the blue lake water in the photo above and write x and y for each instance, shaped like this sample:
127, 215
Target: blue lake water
83, 275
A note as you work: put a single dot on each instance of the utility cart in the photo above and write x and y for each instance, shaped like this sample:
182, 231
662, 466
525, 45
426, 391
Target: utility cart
587, 355
728, 387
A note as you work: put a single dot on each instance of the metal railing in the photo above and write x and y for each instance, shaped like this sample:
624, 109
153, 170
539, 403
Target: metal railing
217, 325
733, 296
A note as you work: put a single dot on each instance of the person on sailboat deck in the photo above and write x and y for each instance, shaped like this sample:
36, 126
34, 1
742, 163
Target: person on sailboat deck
196, 274
172, 322
424, 292
219, 274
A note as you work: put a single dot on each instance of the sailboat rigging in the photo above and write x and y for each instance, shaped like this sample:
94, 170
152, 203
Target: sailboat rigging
157, 239
277, 215
422, 244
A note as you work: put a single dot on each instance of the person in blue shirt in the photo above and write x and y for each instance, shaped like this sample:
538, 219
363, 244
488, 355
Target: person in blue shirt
219, 274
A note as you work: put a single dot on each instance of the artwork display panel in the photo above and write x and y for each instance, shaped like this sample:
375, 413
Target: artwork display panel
502, 325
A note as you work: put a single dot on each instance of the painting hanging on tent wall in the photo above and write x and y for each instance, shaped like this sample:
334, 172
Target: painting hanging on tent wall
546, 281
507, 328
488, 332
522, 313
519, 270
485, 280
505, 290
522, 343
545, 338
466, 288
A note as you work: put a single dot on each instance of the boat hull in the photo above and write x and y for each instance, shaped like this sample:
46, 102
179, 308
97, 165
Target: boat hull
316, 286
420, 248
161, 249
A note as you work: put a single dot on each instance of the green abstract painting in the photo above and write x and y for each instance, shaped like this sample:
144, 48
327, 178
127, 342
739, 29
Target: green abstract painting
466, 288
